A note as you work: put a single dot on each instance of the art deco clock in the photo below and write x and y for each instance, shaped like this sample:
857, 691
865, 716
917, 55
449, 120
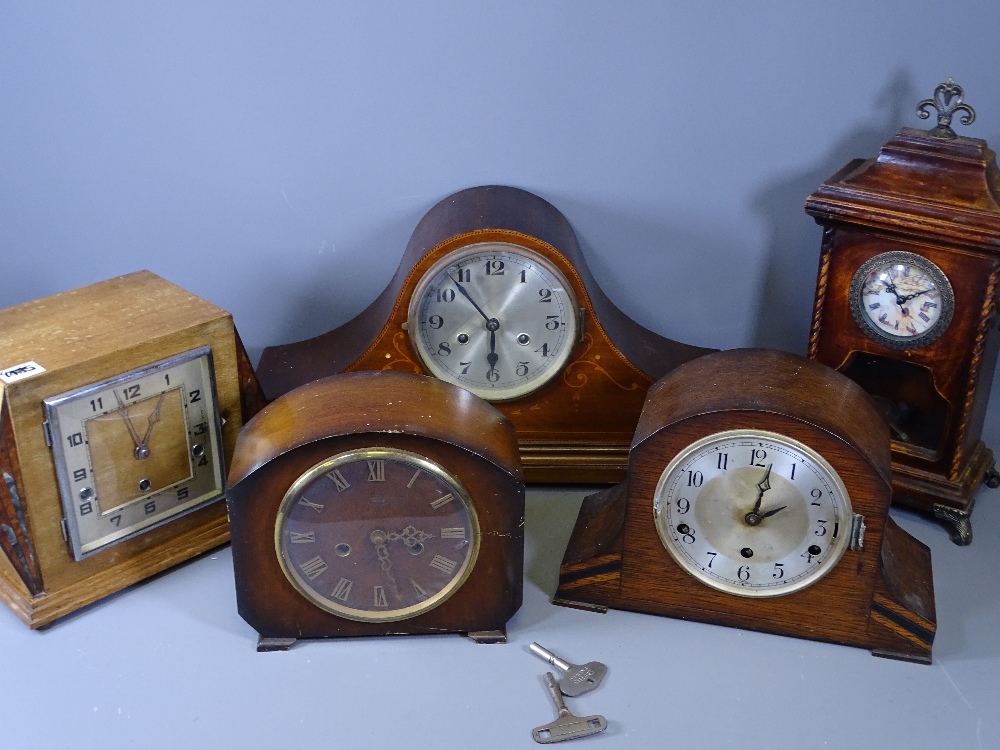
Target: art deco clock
757, 497
906, 302
493, 294
377, 503
114, 438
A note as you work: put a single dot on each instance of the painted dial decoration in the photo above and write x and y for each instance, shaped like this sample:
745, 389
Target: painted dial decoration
495, 318
753, 513
137, 450
901, 300
377, 534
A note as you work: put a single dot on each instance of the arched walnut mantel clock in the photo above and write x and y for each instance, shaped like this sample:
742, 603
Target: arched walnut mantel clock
906, 302
493, 294
377, 503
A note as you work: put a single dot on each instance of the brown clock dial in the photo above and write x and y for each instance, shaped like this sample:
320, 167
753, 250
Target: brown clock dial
377, 534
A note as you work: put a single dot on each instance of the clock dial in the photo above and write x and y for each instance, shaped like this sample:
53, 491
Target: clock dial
752, 513
377, 534
137, 450
495, 318
902, 300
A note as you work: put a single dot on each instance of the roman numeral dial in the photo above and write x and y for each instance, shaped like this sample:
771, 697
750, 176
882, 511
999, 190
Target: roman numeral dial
377, 534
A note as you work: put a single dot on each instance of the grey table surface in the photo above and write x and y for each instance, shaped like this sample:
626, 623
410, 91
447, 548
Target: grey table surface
170, 664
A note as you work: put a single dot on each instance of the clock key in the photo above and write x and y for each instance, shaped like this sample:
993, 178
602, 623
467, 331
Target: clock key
566, 726
577, 678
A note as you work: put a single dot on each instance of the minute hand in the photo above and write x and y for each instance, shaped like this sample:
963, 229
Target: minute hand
468, 297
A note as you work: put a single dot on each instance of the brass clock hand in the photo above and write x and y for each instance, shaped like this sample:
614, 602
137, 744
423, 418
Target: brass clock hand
123, 411
412, 537
379, 538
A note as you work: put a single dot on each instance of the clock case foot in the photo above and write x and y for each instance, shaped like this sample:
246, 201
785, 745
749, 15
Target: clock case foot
489, 637
901, 622
950, 500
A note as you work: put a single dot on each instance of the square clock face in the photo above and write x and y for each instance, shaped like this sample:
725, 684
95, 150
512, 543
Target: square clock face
137, 450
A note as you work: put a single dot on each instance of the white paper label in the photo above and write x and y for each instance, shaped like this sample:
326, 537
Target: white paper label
20, 372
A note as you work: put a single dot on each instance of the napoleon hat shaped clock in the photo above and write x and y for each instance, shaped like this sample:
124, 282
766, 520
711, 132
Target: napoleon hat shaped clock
493, 294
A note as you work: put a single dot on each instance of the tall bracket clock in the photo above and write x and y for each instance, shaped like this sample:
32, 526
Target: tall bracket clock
493, 294
906, 301
121, 402
377, 503
757, 497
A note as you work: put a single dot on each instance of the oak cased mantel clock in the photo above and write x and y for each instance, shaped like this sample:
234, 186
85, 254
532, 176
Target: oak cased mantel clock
757, 497
377, 503
906, 299
493, 294
121, 402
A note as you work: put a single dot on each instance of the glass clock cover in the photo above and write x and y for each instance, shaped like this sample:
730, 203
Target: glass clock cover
902, 300
495, 318
753, 513
137, 450
377, 534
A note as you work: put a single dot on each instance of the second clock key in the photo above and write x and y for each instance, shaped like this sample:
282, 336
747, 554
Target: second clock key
576, 678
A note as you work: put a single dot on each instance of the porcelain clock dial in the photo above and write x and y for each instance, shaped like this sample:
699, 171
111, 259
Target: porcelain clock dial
495, 318
901, 300
753, 513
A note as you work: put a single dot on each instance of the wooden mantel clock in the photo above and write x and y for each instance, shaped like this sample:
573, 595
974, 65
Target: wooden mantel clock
757, 497
493, 294
377, 503
121, 402
906, 302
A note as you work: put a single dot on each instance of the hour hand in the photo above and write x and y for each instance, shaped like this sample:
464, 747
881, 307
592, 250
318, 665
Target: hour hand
762, 486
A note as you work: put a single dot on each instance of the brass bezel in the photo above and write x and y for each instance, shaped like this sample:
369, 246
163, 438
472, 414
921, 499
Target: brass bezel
364, 454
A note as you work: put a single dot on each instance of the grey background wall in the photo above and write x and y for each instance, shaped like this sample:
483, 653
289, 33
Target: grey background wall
274, 157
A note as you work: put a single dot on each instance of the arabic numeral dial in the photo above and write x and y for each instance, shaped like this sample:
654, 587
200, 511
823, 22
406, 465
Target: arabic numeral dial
496, 318
752, 513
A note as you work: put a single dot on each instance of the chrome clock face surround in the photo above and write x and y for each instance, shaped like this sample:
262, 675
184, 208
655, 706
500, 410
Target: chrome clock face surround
901, 300
137, 450
495, 318
377, 534
802, 515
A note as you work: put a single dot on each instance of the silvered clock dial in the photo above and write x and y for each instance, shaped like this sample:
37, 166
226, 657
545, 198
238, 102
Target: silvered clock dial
753, 513
136, 450
496, 318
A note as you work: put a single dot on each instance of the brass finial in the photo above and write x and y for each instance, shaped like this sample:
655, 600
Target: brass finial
947, 101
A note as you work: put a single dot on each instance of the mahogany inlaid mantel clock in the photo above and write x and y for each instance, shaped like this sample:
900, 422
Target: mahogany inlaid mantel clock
377, 503
121, 402
493, 294
906, 302
750, 502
